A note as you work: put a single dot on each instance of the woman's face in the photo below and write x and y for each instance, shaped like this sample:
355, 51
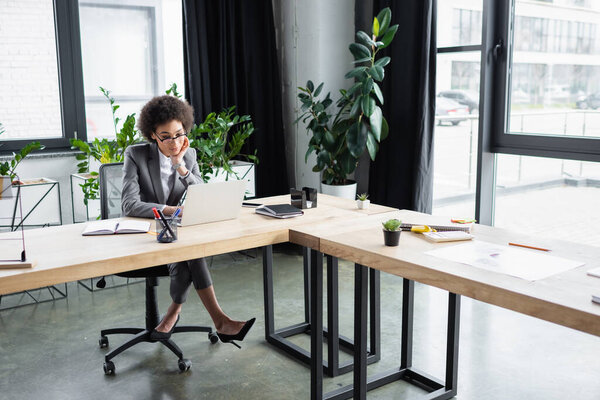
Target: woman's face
170, 137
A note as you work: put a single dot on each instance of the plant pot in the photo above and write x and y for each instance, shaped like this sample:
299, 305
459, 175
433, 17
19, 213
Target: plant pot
7, 191
391, 238
343, 191
363, 204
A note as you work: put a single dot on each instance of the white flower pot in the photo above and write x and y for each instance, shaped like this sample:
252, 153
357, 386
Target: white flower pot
363, 204
7, 191
343, 191
243, 170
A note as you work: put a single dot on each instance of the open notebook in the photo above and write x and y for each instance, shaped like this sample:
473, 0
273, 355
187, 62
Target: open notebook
110, 227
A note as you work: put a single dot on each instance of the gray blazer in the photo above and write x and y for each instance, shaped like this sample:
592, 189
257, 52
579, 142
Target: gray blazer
142, 189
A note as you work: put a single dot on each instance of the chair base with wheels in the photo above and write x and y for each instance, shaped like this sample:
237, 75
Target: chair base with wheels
152, 320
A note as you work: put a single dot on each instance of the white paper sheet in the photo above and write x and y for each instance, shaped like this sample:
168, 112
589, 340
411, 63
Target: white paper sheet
531, 265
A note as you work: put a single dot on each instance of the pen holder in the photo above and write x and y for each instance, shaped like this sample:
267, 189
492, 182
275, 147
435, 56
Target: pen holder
303, 199
163, 234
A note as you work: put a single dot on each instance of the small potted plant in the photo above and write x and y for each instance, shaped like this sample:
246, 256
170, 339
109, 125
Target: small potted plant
391, 232
362, 201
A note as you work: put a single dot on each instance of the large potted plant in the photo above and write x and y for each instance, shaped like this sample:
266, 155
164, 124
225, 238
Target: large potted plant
220, 138
339, 138
101, 151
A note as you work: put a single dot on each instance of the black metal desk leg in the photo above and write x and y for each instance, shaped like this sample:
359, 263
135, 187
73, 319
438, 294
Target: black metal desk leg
375, 314
268, 290
452, 343
306, 266
360, 331
408, 305
333, 326
316, 325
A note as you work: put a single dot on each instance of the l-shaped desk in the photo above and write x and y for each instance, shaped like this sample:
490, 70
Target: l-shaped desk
337, 229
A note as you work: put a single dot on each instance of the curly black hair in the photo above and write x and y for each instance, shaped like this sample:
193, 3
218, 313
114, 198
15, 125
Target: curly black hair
162, 109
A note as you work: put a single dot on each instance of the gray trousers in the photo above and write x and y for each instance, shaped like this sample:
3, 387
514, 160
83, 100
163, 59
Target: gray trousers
184, 273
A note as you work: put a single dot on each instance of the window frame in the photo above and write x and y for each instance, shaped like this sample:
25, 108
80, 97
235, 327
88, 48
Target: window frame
70, 82
531, 144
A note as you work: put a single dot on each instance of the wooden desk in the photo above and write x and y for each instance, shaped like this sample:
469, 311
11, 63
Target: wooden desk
563, 298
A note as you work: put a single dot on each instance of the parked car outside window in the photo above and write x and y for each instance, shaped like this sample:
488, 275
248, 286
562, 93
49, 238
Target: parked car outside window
464, 97
592, 101
447, 110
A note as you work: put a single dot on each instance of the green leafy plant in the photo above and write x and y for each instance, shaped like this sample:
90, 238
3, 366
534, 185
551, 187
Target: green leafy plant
104, 150
214, 142
392, 225
219, 139
362, 196
8, 168
339, 139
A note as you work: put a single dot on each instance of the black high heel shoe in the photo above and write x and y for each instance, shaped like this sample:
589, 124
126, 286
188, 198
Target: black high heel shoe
238, 336
156, 335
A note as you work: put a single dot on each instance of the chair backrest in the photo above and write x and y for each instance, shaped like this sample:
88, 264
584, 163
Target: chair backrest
111, 185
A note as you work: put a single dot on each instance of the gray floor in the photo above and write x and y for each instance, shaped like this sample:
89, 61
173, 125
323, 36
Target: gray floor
50, 350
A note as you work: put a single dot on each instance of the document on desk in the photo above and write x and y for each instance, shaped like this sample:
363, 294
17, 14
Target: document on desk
526, 264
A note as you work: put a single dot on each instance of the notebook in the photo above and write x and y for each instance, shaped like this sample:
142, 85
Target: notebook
594, 272
279, 211
211, 202
447, 236
111, 227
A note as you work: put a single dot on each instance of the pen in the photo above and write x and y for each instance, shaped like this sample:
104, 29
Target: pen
528, 247
164, 221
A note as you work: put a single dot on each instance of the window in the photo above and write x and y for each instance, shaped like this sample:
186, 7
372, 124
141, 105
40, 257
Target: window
55, 54
134, 49
457, 107
30, 100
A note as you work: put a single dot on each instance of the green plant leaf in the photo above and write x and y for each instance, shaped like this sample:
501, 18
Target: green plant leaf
357, 139
383, 61
384, 129
329, 141
378, 93
316, 94
356, 72
364, 39
389, 36
375, 27
372, 146
359, 51
355, 110
354, 88
362, 60
384, 17
368, 86
376, 72
368, 105
376, 119
310, 86
323, 158
347, 164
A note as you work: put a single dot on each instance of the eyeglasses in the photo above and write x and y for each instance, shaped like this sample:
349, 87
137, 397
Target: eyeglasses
163, 140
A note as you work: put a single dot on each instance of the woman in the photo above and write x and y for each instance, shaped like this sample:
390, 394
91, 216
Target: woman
156, 174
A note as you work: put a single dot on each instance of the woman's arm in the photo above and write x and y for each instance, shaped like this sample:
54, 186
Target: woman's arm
131, 203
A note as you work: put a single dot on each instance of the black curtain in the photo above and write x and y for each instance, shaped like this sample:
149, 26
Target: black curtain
402, 174
230, 59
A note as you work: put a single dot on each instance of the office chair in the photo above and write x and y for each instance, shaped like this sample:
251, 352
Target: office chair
111, 182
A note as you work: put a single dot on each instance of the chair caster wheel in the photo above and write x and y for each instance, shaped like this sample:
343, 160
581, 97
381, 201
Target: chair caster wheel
109, 368
213, 337
184, 364
103, 342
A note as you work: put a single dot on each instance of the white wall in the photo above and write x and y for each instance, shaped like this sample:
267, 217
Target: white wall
313, 39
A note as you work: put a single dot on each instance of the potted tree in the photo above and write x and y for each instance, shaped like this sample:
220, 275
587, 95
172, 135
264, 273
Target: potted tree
339, 138
391, 232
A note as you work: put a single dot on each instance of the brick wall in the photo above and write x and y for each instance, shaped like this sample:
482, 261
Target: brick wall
29, 90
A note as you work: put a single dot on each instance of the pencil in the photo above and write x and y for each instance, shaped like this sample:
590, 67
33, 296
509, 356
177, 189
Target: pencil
528, 247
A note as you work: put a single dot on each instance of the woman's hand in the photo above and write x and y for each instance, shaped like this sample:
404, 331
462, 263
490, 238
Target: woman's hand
178, 158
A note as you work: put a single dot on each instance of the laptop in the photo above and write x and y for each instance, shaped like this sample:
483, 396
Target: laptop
211, 202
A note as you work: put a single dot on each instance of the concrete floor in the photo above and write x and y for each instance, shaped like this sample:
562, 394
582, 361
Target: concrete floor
50, 350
